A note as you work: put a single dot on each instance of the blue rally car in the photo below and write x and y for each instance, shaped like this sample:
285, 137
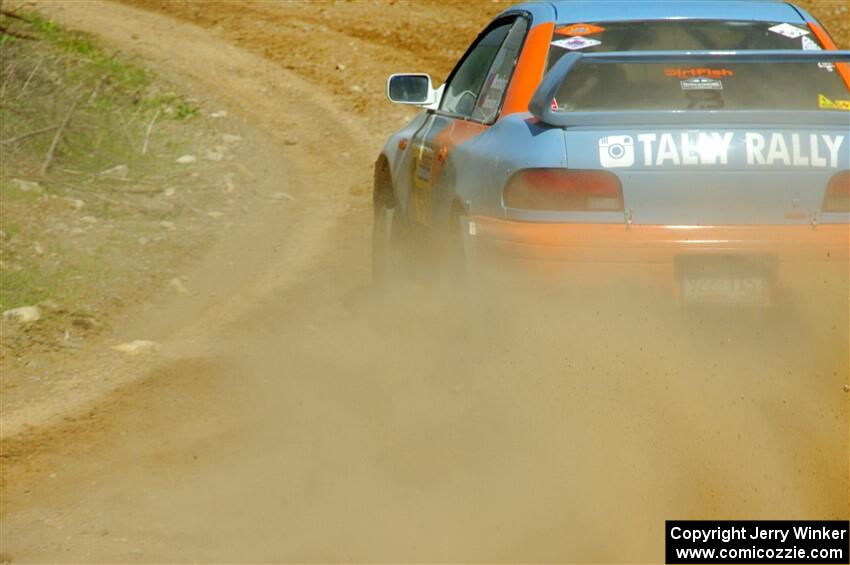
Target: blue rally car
700, 146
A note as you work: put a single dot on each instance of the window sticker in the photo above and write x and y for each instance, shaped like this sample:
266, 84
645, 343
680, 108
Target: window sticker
810, 45
698, 72
574, 43
827, 104
701, 83
579, 29
788, 30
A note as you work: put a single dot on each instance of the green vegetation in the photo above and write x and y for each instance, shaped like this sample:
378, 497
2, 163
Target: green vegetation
91, 199
115, 100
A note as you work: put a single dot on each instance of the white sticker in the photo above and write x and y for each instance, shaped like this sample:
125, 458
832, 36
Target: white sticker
788, 30
617, 151
701, 83
573, 43
499, 83
809, 45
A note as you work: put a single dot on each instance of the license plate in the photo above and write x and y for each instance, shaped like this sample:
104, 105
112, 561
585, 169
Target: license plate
749, 290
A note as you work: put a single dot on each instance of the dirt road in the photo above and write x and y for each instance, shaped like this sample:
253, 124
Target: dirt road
292, 416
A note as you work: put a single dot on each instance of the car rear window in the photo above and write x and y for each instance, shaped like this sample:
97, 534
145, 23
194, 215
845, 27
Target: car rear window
666, 86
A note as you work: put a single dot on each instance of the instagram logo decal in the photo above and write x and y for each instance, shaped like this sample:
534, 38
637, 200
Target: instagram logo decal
617, 151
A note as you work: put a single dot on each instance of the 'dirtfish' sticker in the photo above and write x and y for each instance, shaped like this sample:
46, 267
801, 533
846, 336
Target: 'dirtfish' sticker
698, 72
574, 43
579, 29
788, 30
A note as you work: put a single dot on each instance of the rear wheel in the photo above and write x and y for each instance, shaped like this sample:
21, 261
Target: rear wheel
388, 236
388, 231
448, 254
457, 273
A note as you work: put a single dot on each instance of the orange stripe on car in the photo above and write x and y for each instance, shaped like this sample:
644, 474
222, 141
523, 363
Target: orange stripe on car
529, 69
829, 44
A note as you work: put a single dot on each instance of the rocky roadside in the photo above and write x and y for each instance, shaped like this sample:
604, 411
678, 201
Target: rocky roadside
112, 183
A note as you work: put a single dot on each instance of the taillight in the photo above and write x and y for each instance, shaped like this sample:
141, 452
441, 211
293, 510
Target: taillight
837, 197
566, 190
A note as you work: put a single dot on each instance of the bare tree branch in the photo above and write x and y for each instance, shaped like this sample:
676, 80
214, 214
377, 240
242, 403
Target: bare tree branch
6, 31
148, 133
12, 14
49, 157
29, 78
26, 135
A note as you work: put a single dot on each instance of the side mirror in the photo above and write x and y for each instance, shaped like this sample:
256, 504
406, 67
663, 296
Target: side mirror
413, 89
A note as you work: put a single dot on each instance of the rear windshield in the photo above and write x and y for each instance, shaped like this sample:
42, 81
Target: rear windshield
697, 85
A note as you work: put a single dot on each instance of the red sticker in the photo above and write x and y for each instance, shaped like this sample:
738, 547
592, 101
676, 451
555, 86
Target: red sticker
579, 29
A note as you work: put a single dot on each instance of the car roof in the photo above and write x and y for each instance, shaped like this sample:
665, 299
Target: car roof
574, 11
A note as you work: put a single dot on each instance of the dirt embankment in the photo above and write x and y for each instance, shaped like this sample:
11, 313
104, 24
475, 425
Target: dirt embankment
349, 48
834, 15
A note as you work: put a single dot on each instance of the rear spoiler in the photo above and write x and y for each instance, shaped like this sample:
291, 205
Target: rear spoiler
540, 105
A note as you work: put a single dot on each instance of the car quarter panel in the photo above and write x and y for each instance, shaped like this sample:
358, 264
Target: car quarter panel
433, 144
477, 169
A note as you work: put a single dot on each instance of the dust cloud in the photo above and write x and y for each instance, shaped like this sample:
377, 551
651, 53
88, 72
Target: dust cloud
339, 423
331, 421
555, 424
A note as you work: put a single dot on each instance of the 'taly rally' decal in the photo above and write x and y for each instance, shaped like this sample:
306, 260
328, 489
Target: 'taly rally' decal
714, 148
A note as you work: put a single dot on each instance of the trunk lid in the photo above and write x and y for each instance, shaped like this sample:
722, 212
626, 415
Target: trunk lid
717, 175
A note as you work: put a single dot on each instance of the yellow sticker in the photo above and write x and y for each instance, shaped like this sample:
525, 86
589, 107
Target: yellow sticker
421, 197
827, 104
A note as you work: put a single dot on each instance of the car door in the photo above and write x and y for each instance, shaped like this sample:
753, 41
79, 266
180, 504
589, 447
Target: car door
471, 102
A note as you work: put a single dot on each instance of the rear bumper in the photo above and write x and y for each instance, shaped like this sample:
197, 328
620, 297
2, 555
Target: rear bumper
795, 256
